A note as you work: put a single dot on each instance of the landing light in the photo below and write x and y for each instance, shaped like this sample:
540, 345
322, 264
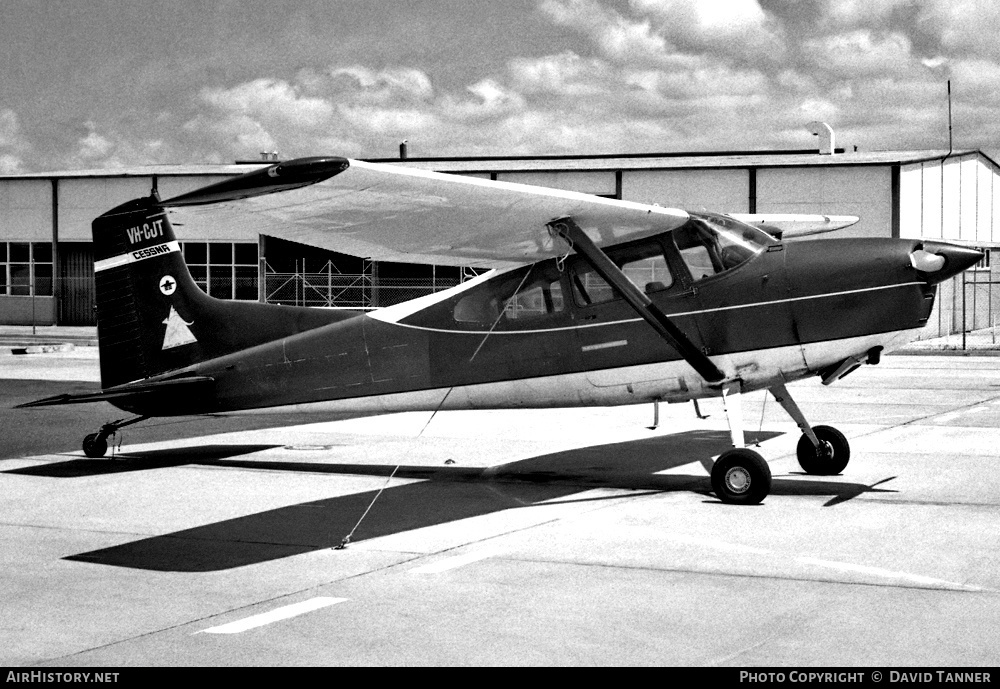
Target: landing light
926, 262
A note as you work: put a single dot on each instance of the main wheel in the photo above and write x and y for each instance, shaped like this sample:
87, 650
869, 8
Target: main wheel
94, 445
741, 477
830, 458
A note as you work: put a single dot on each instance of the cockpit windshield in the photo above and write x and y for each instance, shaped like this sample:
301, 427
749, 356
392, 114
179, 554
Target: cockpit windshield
711, 244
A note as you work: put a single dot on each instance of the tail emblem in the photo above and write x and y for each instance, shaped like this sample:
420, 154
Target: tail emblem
177, 333
168, 285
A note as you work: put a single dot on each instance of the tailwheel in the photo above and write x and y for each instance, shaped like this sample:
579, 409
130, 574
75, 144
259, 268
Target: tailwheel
741, 477
832, 455
95, 445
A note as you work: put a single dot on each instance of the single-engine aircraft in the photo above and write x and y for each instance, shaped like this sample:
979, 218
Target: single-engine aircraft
590, 301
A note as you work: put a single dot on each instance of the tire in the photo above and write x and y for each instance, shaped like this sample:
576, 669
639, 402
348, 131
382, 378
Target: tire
741, 477
828, 463
94, 446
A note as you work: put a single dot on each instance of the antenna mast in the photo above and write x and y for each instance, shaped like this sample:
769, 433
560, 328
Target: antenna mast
950, 149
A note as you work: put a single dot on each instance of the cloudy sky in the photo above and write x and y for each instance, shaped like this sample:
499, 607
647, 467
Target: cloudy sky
108, 83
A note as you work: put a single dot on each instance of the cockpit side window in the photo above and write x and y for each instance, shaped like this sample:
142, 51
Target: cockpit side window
711, 244
538, 299
644, 265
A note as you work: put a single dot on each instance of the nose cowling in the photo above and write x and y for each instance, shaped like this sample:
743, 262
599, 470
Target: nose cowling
936, 261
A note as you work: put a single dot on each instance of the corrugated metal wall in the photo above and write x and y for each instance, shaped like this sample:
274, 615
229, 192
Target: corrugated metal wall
76, 284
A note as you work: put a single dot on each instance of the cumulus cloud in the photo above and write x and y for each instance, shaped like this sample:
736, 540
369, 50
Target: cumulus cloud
270, 99
565, 73
617, 36
966, 28
636, 76
649, 75
388, 84
737, 28
100, 148
860, 54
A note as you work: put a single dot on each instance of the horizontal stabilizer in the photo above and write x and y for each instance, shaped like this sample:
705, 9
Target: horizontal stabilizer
792, 225
188, 385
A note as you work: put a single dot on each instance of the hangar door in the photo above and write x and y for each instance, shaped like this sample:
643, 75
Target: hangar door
76, 293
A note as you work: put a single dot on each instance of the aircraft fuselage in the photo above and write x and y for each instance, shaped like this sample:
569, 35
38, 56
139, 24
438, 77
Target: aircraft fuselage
787, 312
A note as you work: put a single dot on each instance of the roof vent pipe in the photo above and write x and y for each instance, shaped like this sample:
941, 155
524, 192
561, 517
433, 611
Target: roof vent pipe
402, 150
825, 134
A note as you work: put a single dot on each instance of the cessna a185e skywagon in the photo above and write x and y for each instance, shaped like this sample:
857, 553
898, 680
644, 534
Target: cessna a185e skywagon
592, 301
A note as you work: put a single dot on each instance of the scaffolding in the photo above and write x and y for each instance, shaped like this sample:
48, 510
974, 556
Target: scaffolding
329, 288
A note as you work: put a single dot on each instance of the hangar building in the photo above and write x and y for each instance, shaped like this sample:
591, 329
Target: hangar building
46, 255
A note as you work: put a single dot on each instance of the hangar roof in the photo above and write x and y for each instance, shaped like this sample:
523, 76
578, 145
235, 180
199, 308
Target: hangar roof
555, 163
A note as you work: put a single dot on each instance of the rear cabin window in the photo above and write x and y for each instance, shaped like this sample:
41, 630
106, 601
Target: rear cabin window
516, 299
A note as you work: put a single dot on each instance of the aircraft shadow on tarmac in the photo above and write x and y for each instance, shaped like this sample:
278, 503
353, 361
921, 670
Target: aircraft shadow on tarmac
446, 494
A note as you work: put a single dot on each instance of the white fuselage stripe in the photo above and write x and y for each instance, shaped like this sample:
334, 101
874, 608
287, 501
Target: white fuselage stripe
670, 315
137, 255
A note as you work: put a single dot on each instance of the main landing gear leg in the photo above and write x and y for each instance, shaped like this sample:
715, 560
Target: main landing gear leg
96, 444
740, 475
822, 450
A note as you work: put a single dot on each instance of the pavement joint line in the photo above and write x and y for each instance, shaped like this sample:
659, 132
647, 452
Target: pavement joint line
801, 613
314, 587
774, 577
887, 573
493, 552
75, 530
179, 625
960, 409
454, 562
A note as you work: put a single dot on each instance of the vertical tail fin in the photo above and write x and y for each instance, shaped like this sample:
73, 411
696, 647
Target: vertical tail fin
151, 315
145, 295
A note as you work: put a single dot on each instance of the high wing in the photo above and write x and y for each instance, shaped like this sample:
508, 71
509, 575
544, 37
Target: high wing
792, 225
394, 213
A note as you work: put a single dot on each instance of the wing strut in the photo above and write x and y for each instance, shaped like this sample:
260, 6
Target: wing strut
568, 229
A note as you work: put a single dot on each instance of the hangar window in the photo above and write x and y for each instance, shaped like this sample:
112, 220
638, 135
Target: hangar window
25, 269
225, 270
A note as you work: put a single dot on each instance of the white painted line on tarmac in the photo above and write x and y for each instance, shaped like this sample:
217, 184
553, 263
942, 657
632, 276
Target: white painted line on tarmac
888, 574
275, 615
452, 563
